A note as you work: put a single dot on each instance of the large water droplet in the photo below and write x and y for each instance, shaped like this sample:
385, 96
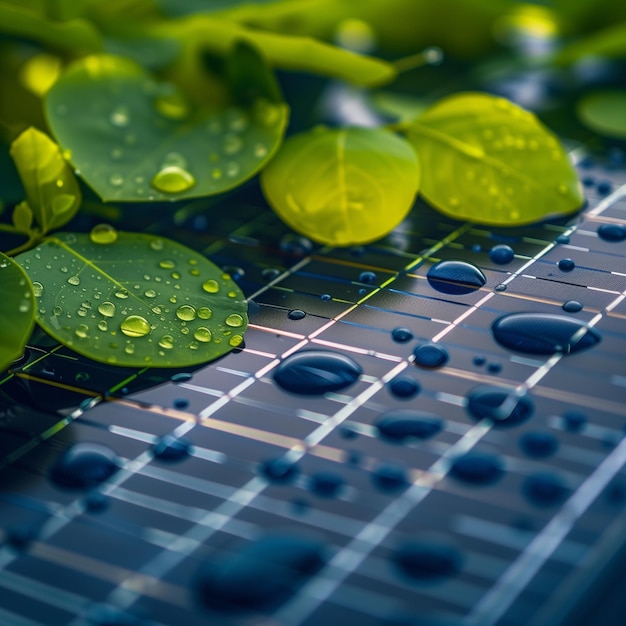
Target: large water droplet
73, 280
566, 265
572, 306
135, 326
477, 468
172, 104
103, 234
37, 289
401, 335
404, 387
171, 448
211, 286
543, 333
612, 232
173, 179
260, 575
501, 254
538, 444
314, 372
84, 465
426, 560
205, 313
430, 355
326, 484
545, 489
186, 313
234, 320
202, 334
455, 277
404, 425
504, 405
107, 309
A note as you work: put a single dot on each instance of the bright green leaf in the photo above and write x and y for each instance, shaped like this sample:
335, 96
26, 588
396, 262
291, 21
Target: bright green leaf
52, 190
343, 187
134, 299
402, 107
17, 312
488, 161
152, 145
22, 217
605, 112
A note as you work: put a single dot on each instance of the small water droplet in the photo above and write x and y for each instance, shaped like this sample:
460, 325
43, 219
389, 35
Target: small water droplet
235, 341
186, 312
234, 320
167, 264
501, 254
103, 326
82, 331
543, 333
562, 239
73, 280
232, 169
173, 179
171, 448
37, 289
477, 468
504, 405
401, 335
129, 348
538, 444
84, 466
430, 355
574, 421
122, 294
260, 151
157, 244
150, 293
116, 179
572, 306
232, 144
107, 309
389, 478
135, 326
612, 232
166, 342
314, 372
369, 278
427, 560
326, 484
545, 489
455, 277
205, 313
103, 234
405, 425
171, 103
566, 265
202, 334
120, 117
211, 286
279, 470
296, 314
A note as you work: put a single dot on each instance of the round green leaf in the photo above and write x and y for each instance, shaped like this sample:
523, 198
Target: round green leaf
605, 112
343, 186
151, 144
134, 299
17, 311
488, 161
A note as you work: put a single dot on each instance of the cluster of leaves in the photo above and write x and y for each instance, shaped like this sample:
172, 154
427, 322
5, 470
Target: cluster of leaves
152, 100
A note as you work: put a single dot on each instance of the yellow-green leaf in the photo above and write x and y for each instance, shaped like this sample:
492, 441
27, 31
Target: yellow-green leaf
17, 312
491, 162
52, 190
343, 187
22, 217
605, 112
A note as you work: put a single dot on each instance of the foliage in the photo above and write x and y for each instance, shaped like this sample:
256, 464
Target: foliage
149, 102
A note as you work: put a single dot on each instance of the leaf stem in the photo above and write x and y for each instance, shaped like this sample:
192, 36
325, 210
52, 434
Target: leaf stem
33, 238
428, 56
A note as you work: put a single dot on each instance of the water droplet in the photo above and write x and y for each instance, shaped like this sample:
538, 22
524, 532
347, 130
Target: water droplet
235, 341
119, 117
427, 560
117, 154
295, 246
543, 333
369, 278
203, 334
326, 484
181, 377
204, 313
172, 104
314, 372
404, 387
279, 470
389, 478
478, 468
538, 444
545, 489
129, 348
84, 466
612, 232
211, 286
232, 169
401, 335
566, 265
107, 309
122, 294
82, 331
73, 280
504, 405
260, 575
167, 264
82, 312
430, 355
37, 289
455, 277
574, 421
501, 254
232, 144
157, 244
186, 312
166, 342
103, 326
135, 326
150, 293
604, 187
563, 189
216, 173
234, 320
296, 314
260, 151
572, 306
562, 239
116, 179
173, 179
170, 448
404, 425
103, 234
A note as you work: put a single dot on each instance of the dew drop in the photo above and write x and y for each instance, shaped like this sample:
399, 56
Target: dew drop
572, 306
477, 468
204, 313
543, 333
122, 294
116, 179
103, 234
84, 466
430, 355
427, 560
82, 331
455, 277
173, 179
279, 470
504, 405
235, 341
612, 232
260, 151
545, 489
401, 335
157, 244
186, 312
107, 309
404, 387
120, 117
211, 286
501, 254
171, 448
103, 326
37, 289
538, 445
73, 280
566, 265
202, 334
405, 425
135, 326
166, 342
369, 278
129, 348
562, 239
172, 105
315, 372
296, 314
389, 478
150, 293
234, 320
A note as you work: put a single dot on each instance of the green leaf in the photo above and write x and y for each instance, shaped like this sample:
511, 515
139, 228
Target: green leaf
488, 161
151, 144
22, 217
343, 187
610, 42
52, 191
605, 112
17, 312
134, 299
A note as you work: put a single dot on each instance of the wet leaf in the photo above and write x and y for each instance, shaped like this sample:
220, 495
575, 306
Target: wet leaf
134, 299
487, 160
52, 191
17, 313
605, 112
343, 187
152, 144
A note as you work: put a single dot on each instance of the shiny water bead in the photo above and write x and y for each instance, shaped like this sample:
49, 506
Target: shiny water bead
135, 326
279, 470
296, 314
477, 468
612, 232
455, 277
404, 387
326, 484
572, 306
401, 335
84, 465
545, 489
566, 265
430, 355
171, 448
538, 444
501, 254
173, 179
390, 478
427, 560
369, 278
103, 234
406, 425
